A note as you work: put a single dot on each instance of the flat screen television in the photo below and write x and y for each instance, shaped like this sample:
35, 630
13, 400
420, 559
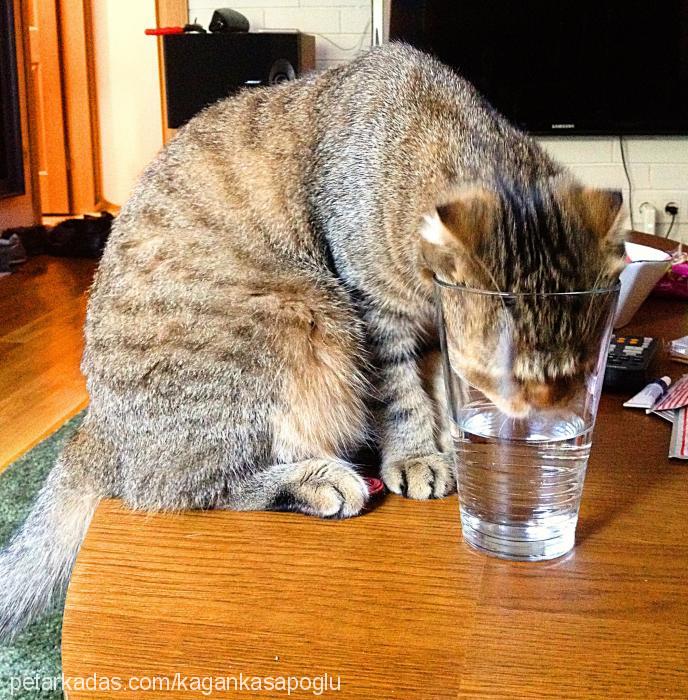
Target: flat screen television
563, 66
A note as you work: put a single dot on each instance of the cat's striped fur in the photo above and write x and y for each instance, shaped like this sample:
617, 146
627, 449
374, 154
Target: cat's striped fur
265, 299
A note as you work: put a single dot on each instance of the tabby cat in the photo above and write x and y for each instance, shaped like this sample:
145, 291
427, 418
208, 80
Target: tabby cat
265, 302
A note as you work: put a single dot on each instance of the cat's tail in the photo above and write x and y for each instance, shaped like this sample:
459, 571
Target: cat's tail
36, 564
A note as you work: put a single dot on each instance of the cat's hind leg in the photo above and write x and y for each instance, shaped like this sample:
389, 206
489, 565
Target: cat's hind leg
324, 487
320, 413
259, 416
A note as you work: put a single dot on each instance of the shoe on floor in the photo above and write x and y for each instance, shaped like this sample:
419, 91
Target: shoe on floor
33, 238
13, 250
5, 268
80, 238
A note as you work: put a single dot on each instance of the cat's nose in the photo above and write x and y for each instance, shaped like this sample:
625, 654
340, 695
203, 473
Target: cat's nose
546, 394
539, 395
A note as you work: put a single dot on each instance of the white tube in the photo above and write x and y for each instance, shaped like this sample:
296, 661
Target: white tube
648, 397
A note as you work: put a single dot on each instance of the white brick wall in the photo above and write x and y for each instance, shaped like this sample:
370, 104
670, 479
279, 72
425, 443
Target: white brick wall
341, 27
658, 166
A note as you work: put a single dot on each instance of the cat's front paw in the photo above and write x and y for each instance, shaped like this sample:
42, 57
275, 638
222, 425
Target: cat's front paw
430, 476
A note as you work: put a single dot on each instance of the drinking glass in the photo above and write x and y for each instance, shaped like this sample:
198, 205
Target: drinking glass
521, 446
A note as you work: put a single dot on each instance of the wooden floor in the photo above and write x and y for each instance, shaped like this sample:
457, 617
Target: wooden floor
42, 308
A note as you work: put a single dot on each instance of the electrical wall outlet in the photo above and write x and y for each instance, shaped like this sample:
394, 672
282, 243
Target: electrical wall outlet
672, 209
648, 218
659, 200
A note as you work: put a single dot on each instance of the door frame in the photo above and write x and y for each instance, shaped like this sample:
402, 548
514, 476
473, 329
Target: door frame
81, 125
168, 13
79, 88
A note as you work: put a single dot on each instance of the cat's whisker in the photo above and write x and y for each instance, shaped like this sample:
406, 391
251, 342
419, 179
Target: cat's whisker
486, 270
586, 320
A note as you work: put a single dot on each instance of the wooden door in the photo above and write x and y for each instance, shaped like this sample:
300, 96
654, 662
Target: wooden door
81, 112
51, 146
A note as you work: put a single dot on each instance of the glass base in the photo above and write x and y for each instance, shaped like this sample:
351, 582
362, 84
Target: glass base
519, 542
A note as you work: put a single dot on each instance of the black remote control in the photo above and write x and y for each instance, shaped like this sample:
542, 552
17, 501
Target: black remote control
629, 361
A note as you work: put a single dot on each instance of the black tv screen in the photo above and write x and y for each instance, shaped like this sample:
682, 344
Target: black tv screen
563, 66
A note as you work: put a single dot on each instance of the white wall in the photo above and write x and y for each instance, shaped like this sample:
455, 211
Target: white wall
658, 166
341, 27
128, 90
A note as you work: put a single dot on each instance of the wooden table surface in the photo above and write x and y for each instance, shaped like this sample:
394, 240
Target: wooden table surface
393, 604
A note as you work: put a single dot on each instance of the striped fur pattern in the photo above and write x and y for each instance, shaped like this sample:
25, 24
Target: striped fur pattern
265, 304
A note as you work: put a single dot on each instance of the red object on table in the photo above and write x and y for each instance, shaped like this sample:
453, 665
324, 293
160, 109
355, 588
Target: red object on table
375, 486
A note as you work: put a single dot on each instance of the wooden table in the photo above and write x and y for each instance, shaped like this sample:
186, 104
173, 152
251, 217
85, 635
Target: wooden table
393, 604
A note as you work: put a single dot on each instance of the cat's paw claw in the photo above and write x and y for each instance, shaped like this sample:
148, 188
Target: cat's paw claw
430, 476
330, 489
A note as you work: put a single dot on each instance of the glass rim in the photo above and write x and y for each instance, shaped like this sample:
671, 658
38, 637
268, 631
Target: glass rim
507, 295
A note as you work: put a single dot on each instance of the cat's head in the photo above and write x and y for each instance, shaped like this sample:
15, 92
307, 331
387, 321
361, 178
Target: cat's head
527, 351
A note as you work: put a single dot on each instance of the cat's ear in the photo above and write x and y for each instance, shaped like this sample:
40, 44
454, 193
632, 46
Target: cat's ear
602, 214
601, 211
452, 233
460, 222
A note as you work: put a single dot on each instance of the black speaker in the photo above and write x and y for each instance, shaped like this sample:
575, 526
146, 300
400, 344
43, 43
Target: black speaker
203, 68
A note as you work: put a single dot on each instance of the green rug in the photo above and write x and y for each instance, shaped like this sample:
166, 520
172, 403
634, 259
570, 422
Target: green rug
36, 651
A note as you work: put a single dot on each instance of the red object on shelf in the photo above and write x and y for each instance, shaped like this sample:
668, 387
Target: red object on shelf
159, 31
